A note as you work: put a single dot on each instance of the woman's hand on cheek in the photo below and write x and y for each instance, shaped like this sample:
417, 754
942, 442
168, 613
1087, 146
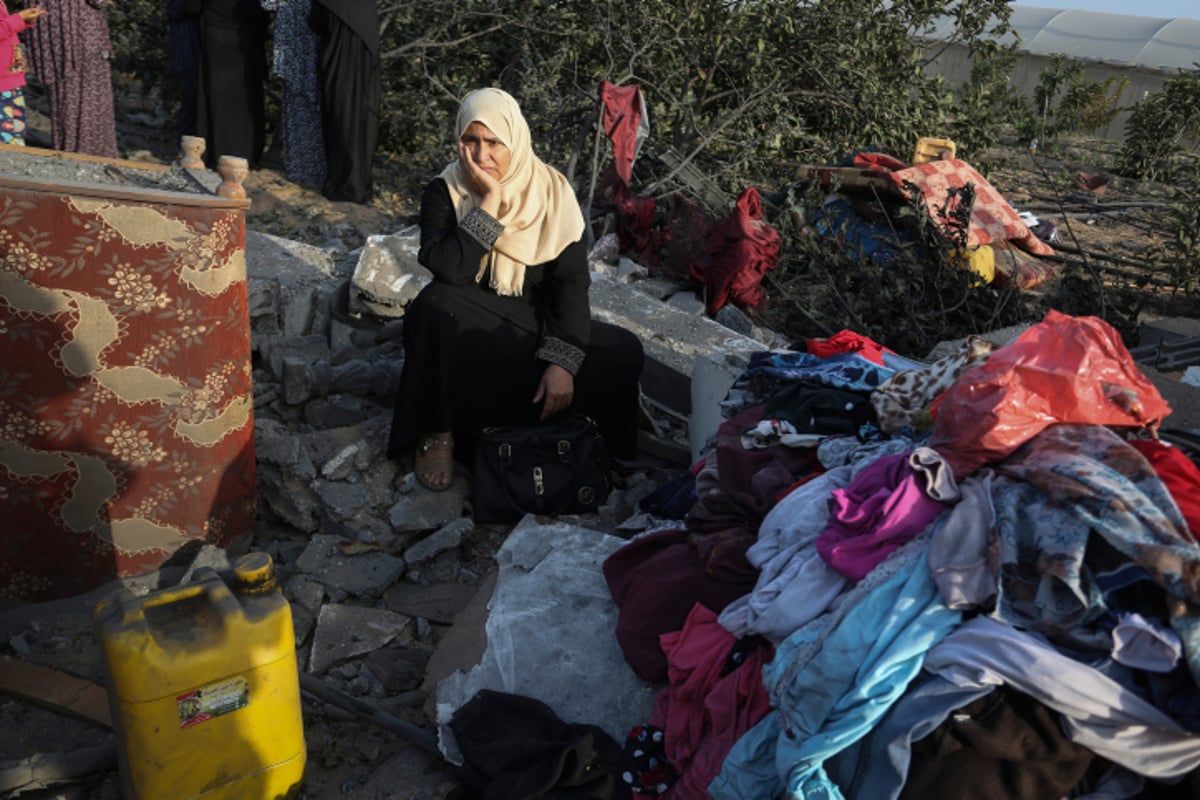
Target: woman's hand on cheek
481, 182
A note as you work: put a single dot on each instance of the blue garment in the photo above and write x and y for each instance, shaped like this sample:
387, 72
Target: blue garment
829, 691
871, 241
841, 371
297, 50
768, 372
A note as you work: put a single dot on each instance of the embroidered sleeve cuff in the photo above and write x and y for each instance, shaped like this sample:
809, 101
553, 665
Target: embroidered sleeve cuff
482, 227
556, 351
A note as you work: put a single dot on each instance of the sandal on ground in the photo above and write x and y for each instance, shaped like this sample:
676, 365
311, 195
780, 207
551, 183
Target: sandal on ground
434, 454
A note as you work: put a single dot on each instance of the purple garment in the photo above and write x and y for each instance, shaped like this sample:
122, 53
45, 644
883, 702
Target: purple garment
69, 52
882, 508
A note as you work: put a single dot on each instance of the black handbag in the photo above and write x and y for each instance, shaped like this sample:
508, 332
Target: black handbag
547, 469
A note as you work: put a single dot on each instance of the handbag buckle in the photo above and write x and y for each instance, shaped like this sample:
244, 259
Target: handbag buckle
539, 487
564, 451
505, 451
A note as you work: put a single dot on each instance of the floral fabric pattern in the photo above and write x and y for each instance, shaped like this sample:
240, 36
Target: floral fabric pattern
126, 424
1066, 488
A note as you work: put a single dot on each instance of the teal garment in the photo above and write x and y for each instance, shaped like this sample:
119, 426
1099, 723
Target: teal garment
830, 684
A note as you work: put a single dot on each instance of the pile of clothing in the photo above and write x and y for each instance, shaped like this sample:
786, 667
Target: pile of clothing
971, 578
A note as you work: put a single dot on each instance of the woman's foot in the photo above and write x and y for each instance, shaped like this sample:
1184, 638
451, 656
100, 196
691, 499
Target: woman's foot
433, 463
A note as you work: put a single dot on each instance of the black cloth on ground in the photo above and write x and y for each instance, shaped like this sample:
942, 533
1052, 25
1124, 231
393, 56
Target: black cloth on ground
516, 747
351, 94
471, 356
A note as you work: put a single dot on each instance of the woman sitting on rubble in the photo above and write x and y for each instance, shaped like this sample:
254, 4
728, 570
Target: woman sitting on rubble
503, 334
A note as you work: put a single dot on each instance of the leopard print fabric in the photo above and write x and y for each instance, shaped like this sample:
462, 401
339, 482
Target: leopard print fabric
903, 400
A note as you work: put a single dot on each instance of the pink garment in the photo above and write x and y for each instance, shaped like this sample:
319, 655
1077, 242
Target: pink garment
623, 108
12, 69
882, 508
702, 712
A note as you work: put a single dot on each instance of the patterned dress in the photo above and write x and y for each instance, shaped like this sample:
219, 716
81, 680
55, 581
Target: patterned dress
296, 53
69, 53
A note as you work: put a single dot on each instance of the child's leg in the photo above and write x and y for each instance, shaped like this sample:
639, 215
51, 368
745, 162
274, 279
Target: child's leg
12, 116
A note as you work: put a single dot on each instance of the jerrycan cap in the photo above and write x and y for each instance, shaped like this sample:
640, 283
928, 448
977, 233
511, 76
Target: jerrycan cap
254, 572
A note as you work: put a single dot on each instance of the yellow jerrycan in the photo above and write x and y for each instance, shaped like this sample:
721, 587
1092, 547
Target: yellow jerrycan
203, 687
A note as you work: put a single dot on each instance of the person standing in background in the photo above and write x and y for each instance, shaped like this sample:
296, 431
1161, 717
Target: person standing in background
183, 61
296, 53
351, 94
69, 52
231, 106
12, 73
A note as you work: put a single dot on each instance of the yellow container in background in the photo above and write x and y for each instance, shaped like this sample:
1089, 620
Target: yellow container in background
203, 687
929, 148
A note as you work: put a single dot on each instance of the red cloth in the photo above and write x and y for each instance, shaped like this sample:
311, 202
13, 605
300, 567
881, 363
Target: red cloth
688, 229
1178, 474
846, 341
741, 250
883, 160
635, 216
656, 579
622, 111
702, 712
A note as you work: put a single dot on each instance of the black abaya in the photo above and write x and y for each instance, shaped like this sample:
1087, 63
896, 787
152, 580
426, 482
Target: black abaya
473, 359
351, 94
230, 108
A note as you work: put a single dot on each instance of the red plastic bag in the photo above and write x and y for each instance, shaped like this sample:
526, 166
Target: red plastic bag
1064, 369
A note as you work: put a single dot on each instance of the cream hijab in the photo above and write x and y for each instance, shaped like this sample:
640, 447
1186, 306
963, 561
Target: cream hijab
537, 204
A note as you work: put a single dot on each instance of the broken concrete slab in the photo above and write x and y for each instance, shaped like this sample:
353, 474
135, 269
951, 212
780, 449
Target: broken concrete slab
447, 537
550, 635
296, 271
712, 375
436, 602
660, 288
305, 592
277, 351
289, 497
672, 339
388, 275
365, 574
344, 632
687, 302
462, 646
398, 669
420, 509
